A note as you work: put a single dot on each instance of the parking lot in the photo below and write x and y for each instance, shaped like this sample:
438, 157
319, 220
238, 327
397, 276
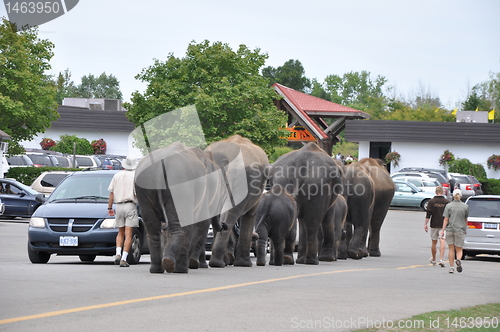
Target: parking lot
344, 295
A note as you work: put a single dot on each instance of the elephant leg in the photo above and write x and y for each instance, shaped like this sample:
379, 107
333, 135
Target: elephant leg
374, 238
261, 244
175, 254
301, 254
327, 252
154, 229
290, 244
197, 247
219, 256
311, 235
356, 245
342, 249
242, 254
278, 249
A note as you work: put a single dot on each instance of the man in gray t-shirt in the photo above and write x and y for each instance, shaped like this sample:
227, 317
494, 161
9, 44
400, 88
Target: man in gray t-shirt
455, 223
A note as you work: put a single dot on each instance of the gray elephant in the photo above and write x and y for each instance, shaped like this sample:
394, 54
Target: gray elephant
177, 190
369, 192
244, 166
339, 217
315, 181
276, 219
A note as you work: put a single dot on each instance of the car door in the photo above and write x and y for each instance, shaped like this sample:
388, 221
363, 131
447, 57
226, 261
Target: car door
17, 201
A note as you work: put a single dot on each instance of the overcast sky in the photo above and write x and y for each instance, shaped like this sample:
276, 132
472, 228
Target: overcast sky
444, 46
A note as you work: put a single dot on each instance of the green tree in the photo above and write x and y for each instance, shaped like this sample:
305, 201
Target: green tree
477, 100
27, 95
102, 86
65, 86
317, 90
291, 74
229, 94
67, 142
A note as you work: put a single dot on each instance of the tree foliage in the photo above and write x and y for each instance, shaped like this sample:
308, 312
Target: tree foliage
225, 86
102, 86
67, 142
465, 166
291, 74
27, 95
65, 86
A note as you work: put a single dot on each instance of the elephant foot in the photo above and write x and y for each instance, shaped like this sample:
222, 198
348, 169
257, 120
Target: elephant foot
182, 270
243, 262
193, 264
261, 263
288, 260
312, 261
327, 258
216, 262
156, 269
355, 254
168, 265
203, 265
230, 259
301, 260
375, 253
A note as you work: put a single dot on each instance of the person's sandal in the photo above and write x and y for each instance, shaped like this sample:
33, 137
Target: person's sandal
117, 259
459, 265
124, 263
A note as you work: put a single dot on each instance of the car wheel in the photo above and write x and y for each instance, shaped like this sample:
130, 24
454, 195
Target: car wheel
87, 258
38, 257
134, 256
424, 204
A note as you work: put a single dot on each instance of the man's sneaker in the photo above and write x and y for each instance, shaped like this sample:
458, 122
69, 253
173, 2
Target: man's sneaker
433, 262
452, 270
124, 263
117, 259
441, 263
459, 265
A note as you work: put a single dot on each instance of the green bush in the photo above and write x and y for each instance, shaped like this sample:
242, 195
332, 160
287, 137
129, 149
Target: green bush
464, 166
278, 152
490, 186
66, 143
27, 175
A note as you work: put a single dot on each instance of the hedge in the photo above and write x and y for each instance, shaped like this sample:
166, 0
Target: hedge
27, 175
490, 186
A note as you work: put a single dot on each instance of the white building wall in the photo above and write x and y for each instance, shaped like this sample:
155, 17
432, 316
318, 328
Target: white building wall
427, 155
117, 143
363, 150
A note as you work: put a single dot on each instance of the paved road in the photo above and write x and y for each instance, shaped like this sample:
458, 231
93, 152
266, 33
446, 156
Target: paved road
66, 294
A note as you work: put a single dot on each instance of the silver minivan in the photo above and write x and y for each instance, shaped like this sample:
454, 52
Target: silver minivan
483, 226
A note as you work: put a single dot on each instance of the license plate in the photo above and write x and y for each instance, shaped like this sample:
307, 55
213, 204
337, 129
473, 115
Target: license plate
68, 241
490, 226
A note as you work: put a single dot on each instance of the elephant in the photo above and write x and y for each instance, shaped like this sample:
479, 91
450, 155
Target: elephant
276, 218
315, 180
369, 192
339, 218
177, 190
245, 167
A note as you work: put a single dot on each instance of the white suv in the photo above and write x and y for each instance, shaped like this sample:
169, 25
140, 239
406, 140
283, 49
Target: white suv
420, 180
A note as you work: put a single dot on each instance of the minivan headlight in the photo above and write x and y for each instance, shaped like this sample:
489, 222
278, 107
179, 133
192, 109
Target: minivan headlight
37, 222
108, 223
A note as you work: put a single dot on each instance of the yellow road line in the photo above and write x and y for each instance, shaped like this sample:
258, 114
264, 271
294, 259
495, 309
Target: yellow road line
159, 297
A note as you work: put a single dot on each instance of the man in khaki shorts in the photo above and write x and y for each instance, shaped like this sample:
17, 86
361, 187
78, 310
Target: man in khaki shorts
122, 193
434, 213
455, 215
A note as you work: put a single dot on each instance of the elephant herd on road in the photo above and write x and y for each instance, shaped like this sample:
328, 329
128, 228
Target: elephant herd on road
182, 191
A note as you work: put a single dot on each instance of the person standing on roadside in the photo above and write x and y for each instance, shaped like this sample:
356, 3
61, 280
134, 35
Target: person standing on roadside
434, 213
455, 215
122, 193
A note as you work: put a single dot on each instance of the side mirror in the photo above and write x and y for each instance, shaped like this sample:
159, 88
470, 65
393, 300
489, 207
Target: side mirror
40, 198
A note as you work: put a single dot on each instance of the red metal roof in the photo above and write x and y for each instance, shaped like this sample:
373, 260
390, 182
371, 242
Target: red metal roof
312, 104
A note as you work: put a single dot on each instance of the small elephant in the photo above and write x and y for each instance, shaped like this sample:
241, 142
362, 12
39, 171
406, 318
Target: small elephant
276, 218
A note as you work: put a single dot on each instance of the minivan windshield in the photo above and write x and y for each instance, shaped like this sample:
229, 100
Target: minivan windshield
484, 208
87, 187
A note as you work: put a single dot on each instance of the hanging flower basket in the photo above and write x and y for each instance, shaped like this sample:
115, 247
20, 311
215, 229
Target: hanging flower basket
494, 162
446, 158
393, 157
99, 146
47, 143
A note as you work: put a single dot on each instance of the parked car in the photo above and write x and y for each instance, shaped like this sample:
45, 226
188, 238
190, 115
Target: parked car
19, 199
464, 183
88, 162
109, 162
20, 160
46, 182
428, 175
425, 184
43, 159
66, 161
74, 220
440, 174
408, 195
483, 226
2, 207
